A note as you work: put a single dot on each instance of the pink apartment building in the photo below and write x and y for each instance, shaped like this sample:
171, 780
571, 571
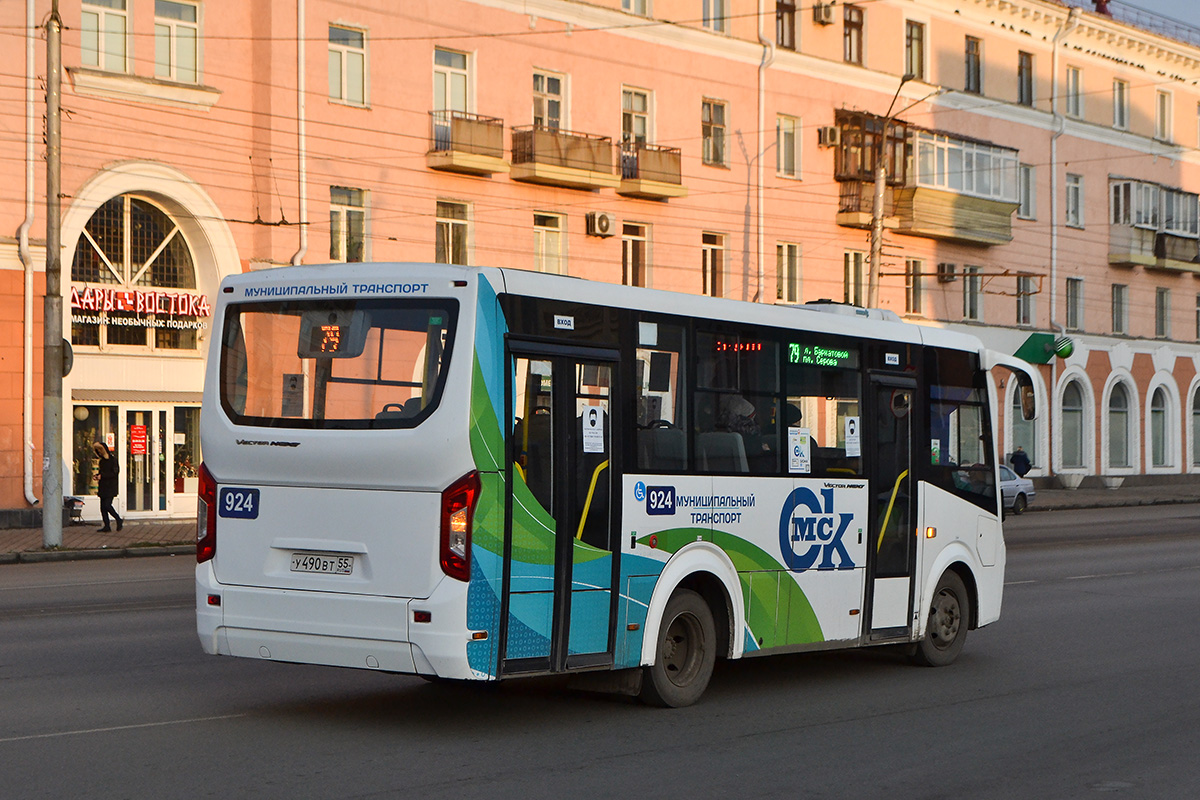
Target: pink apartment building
1042, 180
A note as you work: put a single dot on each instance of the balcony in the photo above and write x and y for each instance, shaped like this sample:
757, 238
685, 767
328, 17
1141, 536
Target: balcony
465, 143
1131, 246
650, 172
856, 202
1176, 252
953, 217
562, 158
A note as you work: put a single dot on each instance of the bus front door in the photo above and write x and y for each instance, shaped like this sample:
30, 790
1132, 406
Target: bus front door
558, 599
893, 508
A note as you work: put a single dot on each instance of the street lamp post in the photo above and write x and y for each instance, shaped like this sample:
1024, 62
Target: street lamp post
873, 268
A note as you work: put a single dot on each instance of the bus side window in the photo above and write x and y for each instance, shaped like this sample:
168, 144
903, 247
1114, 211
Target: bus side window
737, 403
821, 399
661, 419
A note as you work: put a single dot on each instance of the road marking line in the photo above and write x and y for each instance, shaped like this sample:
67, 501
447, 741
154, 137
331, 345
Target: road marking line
118, 728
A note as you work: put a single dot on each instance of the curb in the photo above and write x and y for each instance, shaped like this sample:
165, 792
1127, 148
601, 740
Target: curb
41, 556
1158, 501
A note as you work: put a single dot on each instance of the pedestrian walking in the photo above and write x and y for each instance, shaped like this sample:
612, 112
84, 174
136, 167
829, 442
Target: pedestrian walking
1020, 461
108, 488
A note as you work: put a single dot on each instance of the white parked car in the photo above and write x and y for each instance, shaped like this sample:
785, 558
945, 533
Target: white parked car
1017, 492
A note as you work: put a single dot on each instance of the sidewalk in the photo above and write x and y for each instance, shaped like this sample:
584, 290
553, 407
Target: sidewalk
83, 541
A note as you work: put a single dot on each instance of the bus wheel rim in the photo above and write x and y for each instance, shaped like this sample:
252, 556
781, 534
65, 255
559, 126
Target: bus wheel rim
682, 648
945, 619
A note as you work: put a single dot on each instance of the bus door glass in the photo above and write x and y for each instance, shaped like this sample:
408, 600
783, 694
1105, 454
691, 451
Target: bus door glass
559, 547
892, 505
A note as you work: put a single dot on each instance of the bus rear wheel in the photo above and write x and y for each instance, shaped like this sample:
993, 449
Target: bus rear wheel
949, 617
683, 661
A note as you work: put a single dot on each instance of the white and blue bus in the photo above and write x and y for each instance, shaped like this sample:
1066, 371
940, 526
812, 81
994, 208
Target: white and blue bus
479, 473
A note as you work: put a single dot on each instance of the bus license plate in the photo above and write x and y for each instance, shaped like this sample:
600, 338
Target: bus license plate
322, 563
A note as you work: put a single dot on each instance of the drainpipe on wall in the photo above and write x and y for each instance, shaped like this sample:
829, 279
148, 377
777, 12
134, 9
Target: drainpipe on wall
1059, 127
767, 58
301, 135
27, 258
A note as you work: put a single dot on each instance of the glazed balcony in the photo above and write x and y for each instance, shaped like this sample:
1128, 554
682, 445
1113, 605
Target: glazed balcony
651, 172
856, 204
465, 143
553, 157
953, 217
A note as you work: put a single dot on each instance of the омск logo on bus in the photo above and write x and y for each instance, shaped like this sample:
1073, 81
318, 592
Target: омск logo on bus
809, 529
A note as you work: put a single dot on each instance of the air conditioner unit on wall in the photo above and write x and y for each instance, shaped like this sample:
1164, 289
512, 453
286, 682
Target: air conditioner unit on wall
823, 13
600, 223
946, 272
829, 136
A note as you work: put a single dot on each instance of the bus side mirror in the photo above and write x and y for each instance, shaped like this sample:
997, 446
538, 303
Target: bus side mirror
1028, 399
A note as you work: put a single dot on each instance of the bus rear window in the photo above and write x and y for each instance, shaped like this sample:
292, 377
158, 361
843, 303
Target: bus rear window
335, 363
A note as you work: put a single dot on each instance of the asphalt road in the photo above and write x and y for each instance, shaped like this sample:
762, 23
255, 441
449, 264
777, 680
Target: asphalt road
1087, 686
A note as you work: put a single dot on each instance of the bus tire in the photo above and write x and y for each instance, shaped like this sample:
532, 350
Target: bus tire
949, 617
686, 652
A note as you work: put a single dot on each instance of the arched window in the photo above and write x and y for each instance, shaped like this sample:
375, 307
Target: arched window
1196, 429
1118, 427
1072, 426
130, 254
1159, 435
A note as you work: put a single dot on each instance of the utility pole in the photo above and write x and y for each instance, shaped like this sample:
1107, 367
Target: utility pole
874, 267
52, 352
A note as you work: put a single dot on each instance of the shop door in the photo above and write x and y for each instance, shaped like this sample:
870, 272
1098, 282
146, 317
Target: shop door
893, 507
145, 461
560, 521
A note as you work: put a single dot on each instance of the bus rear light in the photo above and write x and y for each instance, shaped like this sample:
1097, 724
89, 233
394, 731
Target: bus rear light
458, 509
206, 516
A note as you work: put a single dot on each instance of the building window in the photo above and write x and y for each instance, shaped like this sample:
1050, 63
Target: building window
1026, 191
853, 290
1121, 105
1024, 431
1026, 290
858, 145
966, 167
1196, 429
787, 272
103, 25
852, 35
712, 267
449, 80
974, 65
347, 224
1120, 307
641, 7
1198, 316
787, 146
1072, 426
1118, 426
914, 49
1162, 116
129, 249
548, 255
1162, 313
1159, 430
347, 65
635, 116
914, 301
972, 288
176, 34
715, 15
1074, 200
1074, 304
547, 100
1025, 95
635, 246
712, 132
785, 24
1074, 92
451, 233
1154, 207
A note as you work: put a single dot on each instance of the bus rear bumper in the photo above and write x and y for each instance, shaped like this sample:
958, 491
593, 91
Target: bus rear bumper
358, 631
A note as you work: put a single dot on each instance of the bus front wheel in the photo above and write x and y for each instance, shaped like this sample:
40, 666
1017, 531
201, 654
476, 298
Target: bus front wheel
949, 617
686, 652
